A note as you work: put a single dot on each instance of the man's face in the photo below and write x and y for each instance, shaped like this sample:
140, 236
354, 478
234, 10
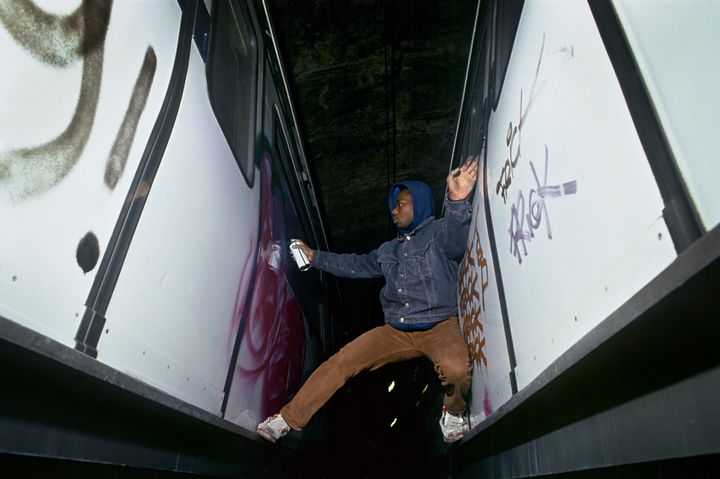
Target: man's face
403, 211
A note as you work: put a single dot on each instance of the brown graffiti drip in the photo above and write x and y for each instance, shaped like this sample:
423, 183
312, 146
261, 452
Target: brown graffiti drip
123, 141
472, 300
26, 172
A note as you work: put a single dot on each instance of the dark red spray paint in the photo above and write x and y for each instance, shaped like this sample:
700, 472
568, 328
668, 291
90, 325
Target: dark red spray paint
272, 349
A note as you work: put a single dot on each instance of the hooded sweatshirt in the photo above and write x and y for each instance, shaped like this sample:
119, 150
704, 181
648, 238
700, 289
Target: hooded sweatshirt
423, 202
420, 265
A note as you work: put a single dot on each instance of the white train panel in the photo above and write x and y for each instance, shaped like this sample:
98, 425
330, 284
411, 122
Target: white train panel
176, 308
681, 71
574, 206
196, 298
74, 126
481, 318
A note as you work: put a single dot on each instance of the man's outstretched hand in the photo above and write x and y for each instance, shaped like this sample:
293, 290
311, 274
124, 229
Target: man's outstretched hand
305, 249
461, 180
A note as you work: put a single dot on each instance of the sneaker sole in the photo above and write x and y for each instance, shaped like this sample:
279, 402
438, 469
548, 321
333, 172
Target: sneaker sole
452, 439
267, 435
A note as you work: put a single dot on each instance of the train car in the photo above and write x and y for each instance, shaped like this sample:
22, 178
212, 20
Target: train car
585, 294
152, 175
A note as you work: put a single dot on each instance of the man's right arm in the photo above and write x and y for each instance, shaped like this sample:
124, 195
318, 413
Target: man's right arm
347, 265
343, 265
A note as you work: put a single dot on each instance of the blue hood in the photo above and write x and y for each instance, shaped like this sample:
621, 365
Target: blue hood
423, 202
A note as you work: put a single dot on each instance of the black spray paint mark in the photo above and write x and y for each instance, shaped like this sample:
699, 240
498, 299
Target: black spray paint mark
88, 252
30, 171
60, 41
54, 39
121, 148
57, 41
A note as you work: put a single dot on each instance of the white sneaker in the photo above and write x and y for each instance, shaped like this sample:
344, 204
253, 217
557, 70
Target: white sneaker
273, 428
453, 427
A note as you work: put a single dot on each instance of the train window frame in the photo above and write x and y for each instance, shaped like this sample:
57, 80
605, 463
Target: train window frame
280, 144
284, 154
239, 124
478, 98
506, 23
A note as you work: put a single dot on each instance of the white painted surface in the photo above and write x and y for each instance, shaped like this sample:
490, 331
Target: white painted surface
172, 318
675, 45
41, 283
481, 318
585, 251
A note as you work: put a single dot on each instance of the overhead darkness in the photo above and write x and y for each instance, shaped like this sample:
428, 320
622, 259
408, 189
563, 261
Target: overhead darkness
377, 86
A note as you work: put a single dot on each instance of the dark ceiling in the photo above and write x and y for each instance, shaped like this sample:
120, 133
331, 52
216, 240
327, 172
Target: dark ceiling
377, 87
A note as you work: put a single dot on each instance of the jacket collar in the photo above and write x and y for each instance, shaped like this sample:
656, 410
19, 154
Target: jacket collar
420, 227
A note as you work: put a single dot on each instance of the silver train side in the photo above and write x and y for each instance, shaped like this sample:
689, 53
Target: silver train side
151, 177
586, 293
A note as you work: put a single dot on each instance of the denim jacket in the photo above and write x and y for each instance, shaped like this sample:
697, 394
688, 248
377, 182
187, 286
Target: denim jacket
420, 268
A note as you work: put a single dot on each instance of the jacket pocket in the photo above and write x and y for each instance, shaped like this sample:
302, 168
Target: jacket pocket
389, 265
420, 261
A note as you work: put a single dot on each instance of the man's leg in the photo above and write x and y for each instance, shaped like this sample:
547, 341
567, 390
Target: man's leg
370, 351
445, 346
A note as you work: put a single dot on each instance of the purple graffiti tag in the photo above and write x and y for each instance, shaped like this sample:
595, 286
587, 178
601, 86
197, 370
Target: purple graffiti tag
518, 235
536, 211
537, 205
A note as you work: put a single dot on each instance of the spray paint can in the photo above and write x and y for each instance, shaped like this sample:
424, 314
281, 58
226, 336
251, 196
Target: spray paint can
299, 255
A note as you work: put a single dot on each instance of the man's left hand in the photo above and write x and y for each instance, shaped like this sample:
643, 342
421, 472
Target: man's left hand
461, 180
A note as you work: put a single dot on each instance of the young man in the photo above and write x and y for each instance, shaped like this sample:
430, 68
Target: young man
419, 301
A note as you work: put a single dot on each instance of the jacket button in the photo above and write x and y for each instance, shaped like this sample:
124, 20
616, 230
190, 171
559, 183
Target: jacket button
402, 275
402, 320
399, 290
407, 305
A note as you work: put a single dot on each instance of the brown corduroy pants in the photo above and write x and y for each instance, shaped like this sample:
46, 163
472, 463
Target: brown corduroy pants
443, 344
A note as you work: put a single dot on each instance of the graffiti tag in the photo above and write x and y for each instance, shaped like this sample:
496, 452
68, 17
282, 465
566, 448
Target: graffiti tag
60, 41
523, 225
511, 162
513, 148
473, 283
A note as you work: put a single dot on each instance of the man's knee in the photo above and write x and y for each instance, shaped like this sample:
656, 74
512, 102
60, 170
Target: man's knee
457, 370
462, 371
